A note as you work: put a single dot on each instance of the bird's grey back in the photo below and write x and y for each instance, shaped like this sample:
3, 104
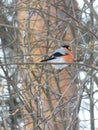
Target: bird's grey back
62, 51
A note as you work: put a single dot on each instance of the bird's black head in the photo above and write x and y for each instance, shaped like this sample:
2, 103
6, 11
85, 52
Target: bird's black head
66, 46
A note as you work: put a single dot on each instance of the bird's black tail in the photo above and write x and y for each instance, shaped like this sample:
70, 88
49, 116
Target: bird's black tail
48, 59
44, 60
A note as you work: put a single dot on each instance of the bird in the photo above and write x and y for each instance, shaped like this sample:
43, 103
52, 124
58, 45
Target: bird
62, 55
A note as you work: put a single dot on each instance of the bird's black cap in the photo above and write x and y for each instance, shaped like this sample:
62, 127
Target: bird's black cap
67, 46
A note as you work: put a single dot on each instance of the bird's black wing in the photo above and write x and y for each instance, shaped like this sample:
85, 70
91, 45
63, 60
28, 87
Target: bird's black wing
54, 56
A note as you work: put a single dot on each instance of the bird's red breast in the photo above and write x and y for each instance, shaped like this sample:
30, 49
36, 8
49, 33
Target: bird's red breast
68, 58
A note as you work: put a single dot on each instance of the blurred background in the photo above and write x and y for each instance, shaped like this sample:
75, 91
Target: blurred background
33, 95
